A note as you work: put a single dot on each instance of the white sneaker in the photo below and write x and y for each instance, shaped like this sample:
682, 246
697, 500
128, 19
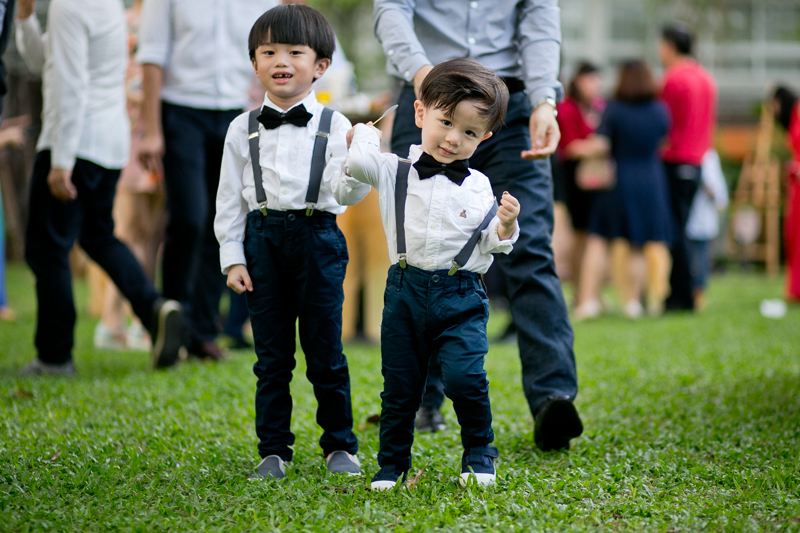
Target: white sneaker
634, 309
138, 339
587, 311
106, 339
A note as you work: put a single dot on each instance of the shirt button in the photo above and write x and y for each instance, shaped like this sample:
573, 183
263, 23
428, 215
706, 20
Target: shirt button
407, 76
433, 226
285, 190
471, 40
390, 52
473, 5
429, 261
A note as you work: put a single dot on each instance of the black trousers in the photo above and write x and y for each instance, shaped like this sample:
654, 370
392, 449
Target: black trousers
297, 264
428, 314
194, 139
683, 180
53, 228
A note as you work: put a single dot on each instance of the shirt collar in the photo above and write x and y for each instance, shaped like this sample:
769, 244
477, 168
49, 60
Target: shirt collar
309, 102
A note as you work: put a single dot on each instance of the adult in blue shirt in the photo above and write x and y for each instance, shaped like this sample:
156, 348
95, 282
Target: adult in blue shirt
520, 40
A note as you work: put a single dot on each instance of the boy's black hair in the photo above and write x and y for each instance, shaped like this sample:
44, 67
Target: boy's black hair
680, 36
293, 24
451, 82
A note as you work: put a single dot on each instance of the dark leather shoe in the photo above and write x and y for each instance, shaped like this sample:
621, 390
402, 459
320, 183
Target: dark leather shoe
557, 422
430, 420
208, 351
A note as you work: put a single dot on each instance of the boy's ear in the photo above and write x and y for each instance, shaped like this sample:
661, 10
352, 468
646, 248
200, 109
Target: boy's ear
487, 136
419, 112
320, 67
255, 65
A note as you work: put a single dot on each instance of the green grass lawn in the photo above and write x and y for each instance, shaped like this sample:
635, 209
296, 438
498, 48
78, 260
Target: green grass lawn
692, 423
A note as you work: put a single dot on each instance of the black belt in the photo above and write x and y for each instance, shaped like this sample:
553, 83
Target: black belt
515, 85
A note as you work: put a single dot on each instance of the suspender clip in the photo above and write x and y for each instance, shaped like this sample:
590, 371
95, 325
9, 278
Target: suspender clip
402, 260
253, 135
309, 209
453, 269
263, 207
323, 134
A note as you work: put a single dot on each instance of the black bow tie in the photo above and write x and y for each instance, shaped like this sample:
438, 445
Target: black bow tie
297, 116
456, 171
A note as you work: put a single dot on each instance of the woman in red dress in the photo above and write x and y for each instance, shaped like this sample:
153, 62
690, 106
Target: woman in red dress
787, 112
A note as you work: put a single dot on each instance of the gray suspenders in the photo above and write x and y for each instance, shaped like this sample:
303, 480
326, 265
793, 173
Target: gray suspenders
317, 160
400, 192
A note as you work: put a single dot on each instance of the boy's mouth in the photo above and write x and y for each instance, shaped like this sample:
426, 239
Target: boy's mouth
281, 77
446, 152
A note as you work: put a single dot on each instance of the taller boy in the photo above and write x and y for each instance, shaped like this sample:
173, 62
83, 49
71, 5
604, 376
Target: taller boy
278, 235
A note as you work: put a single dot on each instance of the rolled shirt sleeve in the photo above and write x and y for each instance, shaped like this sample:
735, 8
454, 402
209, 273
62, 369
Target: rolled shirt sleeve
155, 33
69, 37
394, 29
539, 38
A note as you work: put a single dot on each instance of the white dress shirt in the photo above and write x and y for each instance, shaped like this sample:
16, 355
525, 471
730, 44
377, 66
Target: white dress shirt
202, 47
285, 158
440, 215
82, 58
703, 223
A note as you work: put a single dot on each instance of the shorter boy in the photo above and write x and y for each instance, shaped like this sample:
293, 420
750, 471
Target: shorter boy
279, 242
442, 225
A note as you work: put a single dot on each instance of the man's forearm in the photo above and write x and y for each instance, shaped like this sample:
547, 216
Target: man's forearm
152, 79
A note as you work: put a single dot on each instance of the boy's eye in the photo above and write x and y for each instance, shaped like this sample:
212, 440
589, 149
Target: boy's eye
268, 52
470, 133
447, 123
295, 52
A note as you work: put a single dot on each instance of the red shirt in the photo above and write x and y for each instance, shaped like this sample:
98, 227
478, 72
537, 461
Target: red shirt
571, 123
691, 97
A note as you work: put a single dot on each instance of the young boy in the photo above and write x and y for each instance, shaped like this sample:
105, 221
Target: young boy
279, 242
441, 227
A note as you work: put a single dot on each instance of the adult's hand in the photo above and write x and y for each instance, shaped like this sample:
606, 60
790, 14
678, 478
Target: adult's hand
151, 150
419, 77
544, 133
60, 182
25, 8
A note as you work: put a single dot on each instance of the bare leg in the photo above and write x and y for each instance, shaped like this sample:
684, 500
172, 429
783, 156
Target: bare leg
593, 271
659, 264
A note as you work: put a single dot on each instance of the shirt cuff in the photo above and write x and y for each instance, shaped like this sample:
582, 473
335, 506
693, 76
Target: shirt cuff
152, 53
494, 244
364, 134
411, 65
231, 253
537, 96
60, 158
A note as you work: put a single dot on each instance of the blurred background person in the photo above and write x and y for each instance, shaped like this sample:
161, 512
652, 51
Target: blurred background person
690, 94
703, 224
636, 209
138, 214
6, 14
578, 117
196, 75
787, 113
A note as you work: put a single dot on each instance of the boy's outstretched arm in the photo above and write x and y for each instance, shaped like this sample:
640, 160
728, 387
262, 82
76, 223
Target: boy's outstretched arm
362, 164
344, 191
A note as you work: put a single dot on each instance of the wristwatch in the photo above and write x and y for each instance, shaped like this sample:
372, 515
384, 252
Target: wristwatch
547, 100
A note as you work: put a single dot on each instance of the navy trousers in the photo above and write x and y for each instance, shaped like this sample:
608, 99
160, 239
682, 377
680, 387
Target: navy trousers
194, 139
297, 264
53, 228
537, 302
683, 180
430, 314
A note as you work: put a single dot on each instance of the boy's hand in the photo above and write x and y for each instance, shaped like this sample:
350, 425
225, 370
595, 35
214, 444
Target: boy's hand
507, 213
239, 279
353, 129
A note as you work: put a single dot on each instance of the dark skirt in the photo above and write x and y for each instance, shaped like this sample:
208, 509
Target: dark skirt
637, 208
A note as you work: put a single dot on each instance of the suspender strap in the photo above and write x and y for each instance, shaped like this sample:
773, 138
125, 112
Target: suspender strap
465, 253
252, 130
318, 160
400, 190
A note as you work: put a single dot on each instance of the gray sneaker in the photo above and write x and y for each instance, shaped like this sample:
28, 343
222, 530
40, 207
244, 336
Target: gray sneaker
270, 466
38, 368
341, 462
